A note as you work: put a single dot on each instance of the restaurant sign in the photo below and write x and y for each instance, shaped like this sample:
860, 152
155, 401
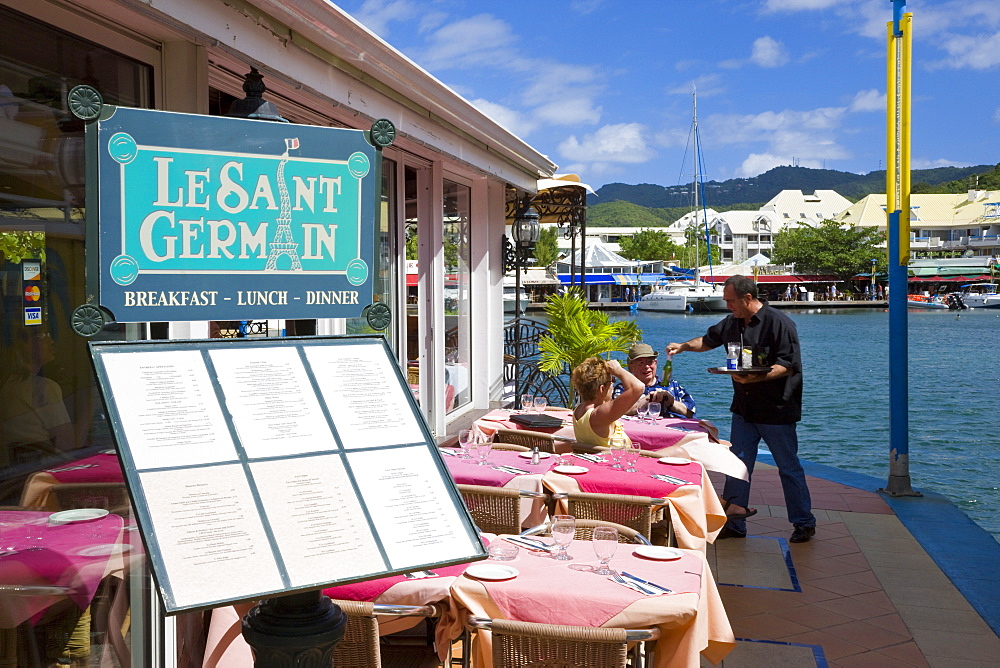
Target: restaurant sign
211, 218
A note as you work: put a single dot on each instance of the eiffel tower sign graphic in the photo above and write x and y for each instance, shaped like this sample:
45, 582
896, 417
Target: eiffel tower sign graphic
283, 243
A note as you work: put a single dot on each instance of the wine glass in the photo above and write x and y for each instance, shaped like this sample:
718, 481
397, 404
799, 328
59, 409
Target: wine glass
527, 402
483, 446
563, 530
653, 410
605, 542
616, 445
632, 458
540, 403
466, 438
643, 412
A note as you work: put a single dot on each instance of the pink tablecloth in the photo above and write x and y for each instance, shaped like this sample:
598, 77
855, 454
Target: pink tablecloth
469, 472
602, 479
692, 620
73, 556
96, 468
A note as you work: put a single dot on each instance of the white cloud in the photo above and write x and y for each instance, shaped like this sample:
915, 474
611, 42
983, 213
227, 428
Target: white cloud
511, 119
776, 6
978, 52
768, 52
478, 41
868, 100
562, 94
618, 143
758, 163
926, 163
377, 14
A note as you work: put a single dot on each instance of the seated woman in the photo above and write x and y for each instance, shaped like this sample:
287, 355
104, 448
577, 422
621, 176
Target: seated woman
595, 418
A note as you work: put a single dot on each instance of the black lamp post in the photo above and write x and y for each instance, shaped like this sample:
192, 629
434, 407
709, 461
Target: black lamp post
525, 230
254, 106
873, 278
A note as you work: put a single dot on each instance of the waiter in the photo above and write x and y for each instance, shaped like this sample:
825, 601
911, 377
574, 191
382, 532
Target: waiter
765, 405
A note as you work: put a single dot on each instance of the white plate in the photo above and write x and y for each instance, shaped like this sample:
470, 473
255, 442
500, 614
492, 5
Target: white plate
658, 552
78, 515
491, 572
103, 550
566, 468
527, 455
674, 460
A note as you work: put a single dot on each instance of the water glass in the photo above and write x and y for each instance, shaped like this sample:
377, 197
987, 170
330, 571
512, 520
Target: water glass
605, 542
563, 531
632, 455
483, 447
617, 446
527, 402
540, 403
653, 410
466, 439
501, 550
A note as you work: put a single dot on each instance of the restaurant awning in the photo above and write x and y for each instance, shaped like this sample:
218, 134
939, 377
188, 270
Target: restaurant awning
780, 278
949, 279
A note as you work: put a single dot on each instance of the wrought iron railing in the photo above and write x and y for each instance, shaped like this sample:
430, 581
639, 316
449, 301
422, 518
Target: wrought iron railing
521, 358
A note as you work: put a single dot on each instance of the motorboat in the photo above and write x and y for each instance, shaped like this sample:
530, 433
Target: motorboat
981, 295
952, 302
510, 300
681, 296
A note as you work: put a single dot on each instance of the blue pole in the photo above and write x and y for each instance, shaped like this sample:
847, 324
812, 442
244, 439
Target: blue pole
899, 423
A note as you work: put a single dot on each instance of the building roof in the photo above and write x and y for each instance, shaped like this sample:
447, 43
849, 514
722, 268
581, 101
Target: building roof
926, 209
820, 205
743, 222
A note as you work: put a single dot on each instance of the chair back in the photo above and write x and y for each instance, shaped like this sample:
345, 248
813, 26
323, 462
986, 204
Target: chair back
510, 446
635, 512
520, 644
585, 531
111, 496
526, 438
360, 647
494, 509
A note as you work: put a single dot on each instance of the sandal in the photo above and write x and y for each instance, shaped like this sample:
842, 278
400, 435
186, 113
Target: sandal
750, 512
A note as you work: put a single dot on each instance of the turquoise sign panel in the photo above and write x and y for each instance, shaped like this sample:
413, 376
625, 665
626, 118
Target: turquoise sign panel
210, 218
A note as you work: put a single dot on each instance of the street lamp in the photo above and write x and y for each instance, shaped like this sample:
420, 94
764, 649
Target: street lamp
525, 230
254, 106
873, 278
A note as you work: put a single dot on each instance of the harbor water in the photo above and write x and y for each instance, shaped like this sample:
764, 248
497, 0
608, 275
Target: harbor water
954, 386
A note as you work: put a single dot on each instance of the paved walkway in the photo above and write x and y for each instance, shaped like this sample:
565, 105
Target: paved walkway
865, 591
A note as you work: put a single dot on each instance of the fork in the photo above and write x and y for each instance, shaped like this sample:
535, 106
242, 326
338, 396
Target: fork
631, 584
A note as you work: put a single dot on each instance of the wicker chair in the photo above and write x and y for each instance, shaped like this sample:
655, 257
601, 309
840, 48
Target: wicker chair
496, 509
510, 446
112, 496
519, 644
635, 512
526, 438
585, 531
360, 646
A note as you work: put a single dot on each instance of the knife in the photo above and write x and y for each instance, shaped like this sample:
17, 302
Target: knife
526, 544
510, 469
647, 582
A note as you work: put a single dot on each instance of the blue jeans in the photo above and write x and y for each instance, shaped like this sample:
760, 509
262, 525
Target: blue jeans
783, 442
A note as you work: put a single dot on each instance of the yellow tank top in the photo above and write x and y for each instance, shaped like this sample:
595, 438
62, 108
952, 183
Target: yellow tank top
585, 433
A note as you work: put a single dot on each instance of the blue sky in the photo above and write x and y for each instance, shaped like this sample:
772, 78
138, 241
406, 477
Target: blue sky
603, 87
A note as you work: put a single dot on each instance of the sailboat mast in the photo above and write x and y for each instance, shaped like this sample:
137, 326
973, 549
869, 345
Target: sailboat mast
697, 175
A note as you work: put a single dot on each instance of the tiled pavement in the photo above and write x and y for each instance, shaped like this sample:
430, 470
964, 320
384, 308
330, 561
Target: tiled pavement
863, 592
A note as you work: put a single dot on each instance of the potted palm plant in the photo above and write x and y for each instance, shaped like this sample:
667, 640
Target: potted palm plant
577, 332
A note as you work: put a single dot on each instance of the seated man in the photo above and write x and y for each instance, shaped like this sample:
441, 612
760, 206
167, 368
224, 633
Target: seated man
674, 399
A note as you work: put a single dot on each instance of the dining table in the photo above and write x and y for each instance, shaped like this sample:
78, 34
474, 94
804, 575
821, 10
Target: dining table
691, 618
665, 436
100, 467
500, 472
696, 513
46, 560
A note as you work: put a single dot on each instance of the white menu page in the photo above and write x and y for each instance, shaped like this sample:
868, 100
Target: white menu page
317, 520
410, 506
209, 534
360, 383
172, 417
272, 402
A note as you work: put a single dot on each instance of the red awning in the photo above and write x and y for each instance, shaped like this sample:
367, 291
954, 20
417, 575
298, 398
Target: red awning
778, 278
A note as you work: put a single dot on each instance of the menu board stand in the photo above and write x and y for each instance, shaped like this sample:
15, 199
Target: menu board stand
294, 630
263, 468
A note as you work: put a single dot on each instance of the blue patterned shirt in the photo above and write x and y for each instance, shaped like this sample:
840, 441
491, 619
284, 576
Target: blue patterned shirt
673, 387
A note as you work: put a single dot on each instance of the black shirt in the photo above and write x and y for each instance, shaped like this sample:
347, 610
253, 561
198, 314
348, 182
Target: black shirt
774, 340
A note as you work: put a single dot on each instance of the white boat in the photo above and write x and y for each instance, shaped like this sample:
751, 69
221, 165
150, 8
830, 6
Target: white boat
509, 301
981, 295
922, 301
681, 296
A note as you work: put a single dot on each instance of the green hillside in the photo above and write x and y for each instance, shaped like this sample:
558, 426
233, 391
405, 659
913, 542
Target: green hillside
724, 195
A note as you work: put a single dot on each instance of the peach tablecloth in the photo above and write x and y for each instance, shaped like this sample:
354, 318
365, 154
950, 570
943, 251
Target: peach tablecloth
102, 467
691, 623
696, 513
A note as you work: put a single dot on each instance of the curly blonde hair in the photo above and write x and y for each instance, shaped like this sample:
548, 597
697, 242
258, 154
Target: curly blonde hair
589, 376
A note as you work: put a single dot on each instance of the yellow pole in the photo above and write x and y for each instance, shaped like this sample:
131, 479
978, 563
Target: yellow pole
891, 204
904, 139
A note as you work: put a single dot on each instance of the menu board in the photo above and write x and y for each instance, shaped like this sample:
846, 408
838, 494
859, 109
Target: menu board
264, 466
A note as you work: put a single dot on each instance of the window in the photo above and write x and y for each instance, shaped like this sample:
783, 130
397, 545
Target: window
457, 293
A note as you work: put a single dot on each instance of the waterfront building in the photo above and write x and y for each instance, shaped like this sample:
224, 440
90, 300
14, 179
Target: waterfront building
941, 225
447, 181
